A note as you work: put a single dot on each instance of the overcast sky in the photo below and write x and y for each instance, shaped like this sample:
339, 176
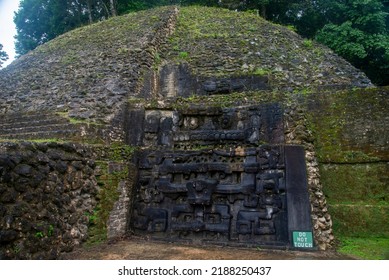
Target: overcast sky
7, 27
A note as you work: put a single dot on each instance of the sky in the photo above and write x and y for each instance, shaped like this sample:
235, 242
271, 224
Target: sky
7, 27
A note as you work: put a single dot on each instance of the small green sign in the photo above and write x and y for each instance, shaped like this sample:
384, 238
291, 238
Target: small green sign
302, 239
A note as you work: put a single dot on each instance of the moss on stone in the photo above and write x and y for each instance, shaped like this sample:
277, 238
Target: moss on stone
360, 220
108, 195
356, 183
121, 153
214, 42
366, 248
350, 131
87, 70
43, 140
358, 198
349, 125
220, 100
219, 43
108, 182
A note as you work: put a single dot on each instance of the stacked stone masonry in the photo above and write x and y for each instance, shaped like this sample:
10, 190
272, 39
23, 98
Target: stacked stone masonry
47, 192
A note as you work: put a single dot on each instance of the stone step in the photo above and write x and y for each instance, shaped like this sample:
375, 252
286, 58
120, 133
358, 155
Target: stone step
49, 120
58, 134
15, 118
37, 128
45, 126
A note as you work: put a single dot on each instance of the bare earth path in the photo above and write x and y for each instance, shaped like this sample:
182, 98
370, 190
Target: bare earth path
139, 249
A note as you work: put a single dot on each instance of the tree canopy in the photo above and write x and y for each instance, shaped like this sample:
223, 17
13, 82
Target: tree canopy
3, 56
38, 21
358, 30
359, 34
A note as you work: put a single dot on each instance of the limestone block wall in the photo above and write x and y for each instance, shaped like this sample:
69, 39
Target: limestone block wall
47, 192
351, 138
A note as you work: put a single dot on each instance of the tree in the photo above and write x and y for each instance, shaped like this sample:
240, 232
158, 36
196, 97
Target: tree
3, 56
359, 33
125, 6
385, 3
38, 21
113, 8
89, 10
304, 15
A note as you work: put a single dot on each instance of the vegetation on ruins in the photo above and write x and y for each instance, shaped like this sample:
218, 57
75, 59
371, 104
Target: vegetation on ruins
357, 30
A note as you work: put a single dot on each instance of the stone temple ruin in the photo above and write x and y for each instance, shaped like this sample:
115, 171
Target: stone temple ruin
204, 128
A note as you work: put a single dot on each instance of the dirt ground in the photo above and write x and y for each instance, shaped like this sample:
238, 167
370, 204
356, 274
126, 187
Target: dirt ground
140, 249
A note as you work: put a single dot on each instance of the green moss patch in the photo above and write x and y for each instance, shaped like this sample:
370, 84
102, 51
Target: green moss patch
107, 197
356, 183
108, 181
221, 43
365, 248
360, 220
349, 126
119, 152
358, 198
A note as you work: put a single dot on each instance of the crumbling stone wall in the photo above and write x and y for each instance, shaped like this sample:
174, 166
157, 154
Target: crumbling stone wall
47, 192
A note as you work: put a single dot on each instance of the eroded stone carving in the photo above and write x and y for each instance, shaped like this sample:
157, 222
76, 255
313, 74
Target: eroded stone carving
209, 126
178, 80
213, 196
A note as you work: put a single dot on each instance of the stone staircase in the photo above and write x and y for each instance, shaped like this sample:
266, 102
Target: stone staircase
31, 126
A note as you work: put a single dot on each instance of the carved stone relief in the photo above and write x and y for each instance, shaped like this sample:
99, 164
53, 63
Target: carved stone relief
213, 196
218, 175
210, 126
